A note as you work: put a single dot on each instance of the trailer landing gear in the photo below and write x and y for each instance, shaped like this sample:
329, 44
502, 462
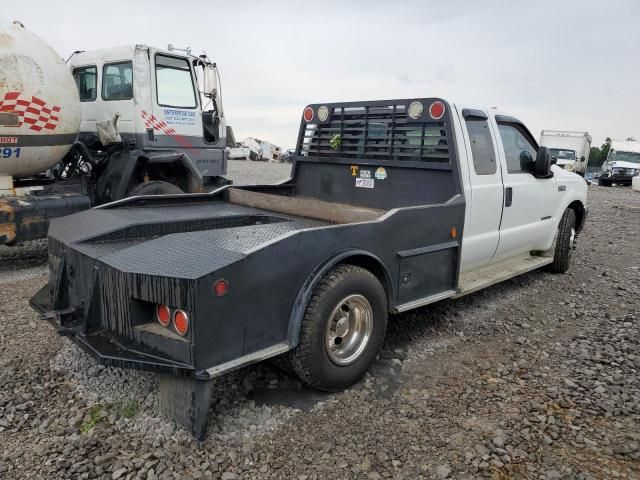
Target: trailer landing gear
186, 401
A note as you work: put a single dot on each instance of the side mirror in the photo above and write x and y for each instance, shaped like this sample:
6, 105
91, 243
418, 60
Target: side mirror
526, 162
209, 81
542, 167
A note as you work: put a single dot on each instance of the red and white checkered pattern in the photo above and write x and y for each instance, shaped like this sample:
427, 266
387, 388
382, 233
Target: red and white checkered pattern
150, 121
34, 112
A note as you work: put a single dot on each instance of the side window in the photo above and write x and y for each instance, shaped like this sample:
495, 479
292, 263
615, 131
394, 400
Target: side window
515, 144
484, 156
86, 80
117, 81
174, 85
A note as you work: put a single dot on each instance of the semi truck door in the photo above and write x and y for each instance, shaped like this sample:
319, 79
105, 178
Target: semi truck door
529, 202
176, 106
484, 209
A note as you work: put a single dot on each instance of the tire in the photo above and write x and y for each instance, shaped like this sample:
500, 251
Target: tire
155, 187
604, 183
344, 296
564, 242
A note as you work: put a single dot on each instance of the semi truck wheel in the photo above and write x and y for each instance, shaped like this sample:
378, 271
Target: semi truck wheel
564, 242
155, 187
342, 330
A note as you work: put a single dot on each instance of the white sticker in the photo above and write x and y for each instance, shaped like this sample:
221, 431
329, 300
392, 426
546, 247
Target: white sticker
365, 173
364, 182
381, 173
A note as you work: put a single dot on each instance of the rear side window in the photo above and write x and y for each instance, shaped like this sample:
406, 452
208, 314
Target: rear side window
484, 156
174, 84
117, 81
87, 81
515, 144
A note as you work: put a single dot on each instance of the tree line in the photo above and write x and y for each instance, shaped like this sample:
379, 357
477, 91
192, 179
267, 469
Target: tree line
597, 156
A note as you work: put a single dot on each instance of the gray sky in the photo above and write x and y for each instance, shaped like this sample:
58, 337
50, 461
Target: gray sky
570, 65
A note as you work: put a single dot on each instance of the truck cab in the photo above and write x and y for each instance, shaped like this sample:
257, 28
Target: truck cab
163, 101
622, 163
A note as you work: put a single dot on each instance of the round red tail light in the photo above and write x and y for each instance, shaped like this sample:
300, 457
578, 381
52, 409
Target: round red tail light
181, 322
164, 315
436, 110
221, 287
308, 114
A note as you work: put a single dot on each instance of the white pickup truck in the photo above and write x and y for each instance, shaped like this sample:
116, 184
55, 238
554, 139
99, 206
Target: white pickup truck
392, 205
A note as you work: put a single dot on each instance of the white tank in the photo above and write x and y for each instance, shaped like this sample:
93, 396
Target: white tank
39, 104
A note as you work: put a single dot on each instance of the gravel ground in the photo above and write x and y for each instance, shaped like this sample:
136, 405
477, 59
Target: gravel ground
535, 378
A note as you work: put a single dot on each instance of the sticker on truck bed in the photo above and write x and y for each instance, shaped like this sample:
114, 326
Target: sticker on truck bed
365, 182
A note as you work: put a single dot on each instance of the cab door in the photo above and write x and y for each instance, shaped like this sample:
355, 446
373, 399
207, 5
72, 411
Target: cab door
176, 108
484, 192
529, 202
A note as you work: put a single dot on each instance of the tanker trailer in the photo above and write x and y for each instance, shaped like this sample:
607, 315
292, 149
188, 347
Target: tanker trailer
105, 125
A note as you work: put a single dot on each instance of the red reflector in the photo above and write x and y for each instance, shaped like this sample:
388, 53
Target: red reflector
221, 287
308, 114
181, 322
164, 315
436, 110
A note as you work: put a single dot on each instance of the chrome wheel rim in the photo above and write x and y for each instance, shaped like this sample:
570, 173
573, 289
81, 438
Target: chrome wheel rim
349, 329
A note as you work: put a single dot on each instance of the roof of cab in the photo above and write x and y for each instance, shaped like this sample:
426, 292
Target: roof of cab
111, 54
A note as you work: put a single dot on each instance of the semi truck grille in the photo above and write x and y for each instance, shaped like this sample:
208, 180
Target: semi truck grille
376, 132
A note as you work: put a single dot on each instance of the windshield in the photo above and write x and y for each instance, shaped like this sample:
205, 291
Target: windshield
618, 156
562, 154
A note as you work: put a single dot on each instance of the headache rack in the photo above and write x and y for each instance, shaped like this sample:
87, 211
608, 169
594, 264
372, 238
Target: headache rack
379, 130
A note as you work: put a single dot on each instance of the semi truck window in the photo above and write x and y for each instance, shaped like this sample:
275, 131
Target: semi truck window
174, 84
86, 81
117, 81
484, 156
514, 143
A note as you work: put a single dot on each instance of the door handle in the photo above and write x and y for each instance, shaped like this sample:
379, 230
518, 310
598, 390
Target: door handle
508, 196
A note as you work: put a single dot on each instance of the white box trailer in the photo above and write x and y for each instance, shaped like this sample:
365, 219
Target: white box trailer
570, 148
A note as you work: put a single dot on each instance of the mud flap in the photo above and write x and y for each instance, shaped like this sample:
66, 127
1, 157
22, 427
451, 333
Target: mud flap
186, 401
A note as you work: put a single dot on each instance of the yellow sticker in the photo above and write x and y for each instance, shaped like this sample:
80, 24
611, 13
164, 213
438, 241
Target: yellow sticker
354, 170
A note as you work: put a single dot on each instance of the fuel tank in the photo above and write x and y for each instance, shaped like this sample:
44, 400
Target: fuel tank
39, 104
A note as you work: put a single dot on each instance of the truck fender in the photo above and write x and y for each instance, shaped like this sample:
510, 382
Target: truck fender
581, 215
361, 258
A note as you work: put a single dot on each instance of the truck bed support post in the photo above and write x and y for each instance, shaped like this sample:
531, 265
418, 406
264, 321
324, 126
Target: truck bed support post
186, 401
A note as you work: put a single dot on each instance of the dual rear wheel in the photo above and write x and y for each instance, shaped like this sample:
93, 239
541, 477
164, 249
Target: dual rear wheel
342, 330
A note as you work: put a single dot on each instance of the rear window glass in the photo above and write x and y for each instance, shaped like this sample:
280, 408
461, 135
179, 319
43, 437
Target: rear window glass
87, 81
484, 156
117, 81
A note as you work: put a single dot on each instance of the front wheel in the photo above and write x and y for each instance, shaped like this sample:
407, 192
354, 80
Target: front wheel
342, 330
564, 242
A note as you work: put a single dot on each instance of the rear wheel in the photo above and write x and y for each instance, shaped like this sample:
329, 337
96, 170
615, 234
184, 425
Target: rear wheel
564, 242
155, 187
604, 183
342, 330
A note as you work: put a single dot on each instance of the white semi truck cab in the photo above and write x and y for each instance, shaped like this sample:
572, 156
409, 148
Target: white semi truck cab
105, 125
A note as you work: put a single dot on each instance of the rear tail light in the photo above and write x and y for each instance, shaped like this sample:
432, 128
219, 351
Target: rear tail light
163, 314
436, 110
221, 287
181, 322
308, 114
